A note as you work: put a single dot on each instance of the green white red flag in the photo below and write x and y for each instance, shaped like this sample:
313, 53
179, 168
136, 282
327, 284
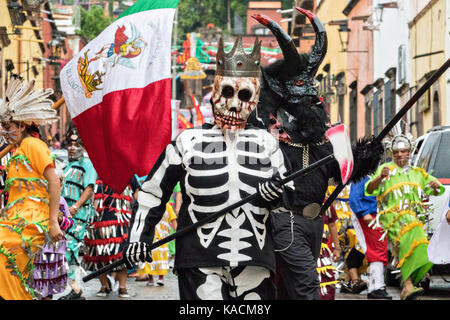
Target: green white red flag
117, 90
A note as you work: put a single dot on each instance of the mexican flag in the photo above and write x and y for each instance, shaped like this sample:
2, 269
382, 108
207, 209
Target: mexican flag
117, 90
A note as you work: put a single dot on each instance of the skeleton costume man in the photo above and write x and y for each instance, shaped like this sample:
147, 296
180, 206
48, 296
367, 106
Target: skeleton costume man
218, 165
291, 109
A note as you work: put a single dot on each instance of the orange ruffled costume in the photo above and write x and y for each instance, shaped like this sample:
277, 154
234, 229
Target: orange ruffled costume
25, 219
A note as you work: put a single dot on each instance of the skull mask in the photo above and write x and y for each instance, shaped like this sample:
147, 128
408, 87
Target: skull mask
236, 85
234, 99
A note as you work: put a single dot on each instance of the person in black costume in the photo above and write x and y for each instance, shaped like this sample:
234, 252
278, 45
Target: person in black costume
291, 109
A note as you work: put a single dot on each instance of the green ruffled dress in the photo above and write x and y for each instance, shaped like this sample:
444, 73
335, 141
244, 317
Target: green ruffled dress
400, 201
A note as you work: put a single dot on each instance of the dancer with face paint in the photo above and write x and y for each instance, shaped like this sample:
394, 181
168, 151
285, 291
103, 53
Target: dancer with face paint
30, 218
78, 191
292, 111
217, 165
400, 190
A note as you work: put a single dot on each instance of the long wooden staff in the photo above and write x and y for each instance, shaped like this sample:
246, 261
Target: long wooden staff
212, 217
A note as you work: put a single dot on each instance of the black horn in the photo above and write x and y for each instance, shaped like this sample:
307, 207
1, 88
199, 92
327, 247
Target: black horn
285, 42
319, 50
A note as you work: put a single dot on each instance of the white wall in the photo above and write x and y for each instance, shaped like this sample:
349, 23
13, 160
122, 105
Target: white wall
393, 33
447, 56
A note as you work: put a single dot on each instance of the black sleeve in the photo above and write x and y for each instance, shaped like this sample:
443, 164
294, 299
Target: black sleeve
155, 193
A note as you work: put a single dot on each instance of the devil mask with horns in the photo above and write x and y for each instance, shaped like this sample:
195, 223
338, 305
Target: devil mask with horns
290, 106
236, 85
289, 103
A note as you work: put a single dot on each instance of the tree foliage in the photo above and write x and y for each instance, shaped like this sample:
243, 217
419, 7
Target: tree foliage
194, 14
93, 22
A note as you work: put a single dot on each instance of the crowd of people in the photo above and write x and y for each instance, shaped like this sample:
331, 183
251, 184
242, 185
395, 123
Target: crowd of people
60, 223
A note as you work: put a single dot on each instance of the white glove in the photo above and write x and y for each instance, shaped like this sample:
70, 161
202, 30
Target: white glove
271, 189
136, 252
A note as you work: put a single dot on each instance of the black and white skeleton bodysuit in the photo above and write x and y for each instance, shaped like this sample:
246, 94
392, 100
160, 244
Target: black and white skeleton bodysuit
215, 170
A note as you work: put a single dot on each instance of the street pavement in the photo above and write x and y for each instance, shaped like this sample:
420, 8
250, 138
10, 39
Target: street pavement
138, 290
439, 290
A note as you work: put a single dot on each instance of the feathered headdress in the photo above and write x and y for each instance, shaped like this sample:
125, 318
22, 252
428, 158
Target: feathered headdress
23, 103
400, 139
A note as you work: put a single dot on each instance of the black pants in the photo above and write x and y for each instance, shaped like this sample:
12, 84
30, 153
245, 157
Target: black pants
296, 265
226, 283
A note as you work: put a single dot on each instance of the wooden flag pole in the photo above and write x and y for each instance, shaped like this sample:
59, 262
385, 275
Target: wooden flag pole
58, 103
5, 151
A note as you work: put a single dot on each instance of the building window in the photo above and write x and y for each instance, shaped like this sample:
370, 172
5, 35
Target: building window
338, 82
389, 100
389, 94
380, 112
375, 113
341, 116
436, 110
393, 108
402, 64
261, 31
353, 112
368, 115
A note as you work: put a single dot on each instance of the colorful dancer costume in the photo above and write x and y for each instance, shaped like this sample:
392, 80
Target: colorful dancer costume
292, 111
80, 177
160, 255
218, 165
327, 272
400, 191
174, 205
24, 221
50, 273
107, 234
353, 251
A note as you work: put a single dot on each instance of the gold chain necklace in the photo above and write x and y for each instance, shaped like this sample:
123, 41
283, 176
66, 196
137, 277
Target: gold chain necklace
305, 150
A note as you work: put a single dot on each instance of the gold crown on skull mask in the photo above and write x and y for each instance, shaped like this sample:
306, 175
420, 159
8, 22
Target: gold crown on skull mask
237, 63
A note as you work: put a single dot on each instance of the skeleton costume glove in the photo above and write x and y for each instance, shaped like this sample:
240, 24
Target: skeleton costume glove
271, 189
136, 252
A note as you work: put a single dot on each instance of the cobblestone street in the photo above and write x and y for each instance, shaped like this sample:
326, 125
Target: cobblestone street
138, 290
439, 290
